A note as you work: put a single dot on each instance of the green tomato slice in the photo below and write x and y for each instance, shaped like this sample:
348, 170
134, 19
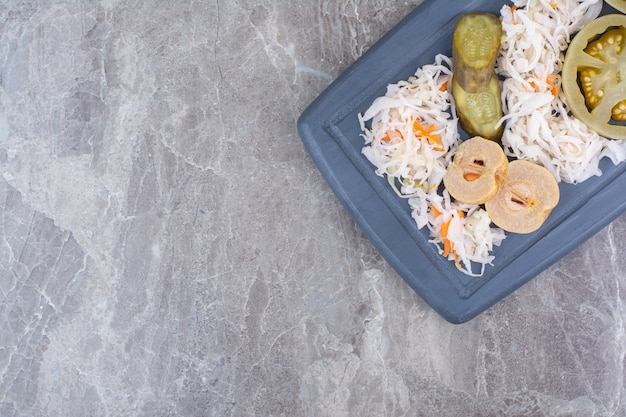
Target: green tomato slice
594, 76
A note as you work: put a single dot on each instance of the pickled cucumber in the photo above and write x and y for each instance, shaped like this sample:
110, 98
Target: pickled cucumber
475, 46
479, 112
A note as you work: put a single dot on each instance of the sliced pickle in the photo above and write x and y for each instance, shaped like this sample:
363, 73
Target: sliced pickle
475, 46
479, 112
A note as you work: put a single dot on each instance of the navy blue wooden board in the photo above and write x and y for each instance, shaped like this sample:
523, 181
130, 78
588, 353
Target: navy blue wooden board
330, 130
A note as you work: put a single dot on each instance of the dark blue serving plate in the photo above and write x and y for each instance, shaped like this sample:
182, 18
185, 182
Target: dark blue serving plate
330, 130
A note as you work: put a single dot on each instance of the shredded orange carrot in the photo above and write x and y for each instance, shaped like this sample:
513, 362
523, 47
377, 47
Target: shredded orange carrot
456, 260
428, 134
513, 8
551, 80
444, 229
444, 86
553, 5
448, 246
391, 135
436, 212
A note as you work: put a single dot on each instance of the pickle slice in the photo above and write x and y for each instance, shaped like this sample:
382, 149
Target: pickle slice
479, 112
475, 46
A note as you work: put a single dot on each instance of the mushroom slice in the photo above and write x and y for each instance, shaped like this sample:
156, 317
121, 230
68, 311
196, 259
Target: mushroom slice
526, 198
477, 172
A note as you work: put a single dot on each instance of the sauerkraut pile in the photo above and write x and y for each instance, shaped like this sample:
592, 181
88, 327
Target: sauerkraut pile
412, 139
538, 126
411, 133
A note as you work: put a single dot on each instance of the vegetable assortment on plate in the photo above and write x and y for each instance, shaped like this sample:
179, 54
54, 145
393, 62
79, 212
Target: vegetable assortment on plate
467, 193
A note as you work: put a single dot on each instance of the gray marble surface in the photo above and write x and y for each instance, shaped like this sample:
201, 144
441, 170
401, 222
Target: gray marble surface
168, 247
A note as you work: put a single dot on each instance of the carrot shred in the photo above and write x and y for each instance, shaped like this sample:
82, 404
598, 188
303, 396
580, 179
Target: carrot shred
444, 86
551, 80
513, 8
391, 135
448, 246
456, 260
428, 134
444, 229
436, 212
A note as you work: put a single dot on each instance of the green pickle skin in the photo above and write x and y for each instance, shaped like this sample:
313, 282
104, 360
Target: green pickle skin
479, 112
475, 46
475, 85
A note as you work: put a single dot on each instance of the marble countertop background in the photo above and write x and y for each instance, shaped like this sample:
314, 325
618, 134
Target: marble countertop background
168, 247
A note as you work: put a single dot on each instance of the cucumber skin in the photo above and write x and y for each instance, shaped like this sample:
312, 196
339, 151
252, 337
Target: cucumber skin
475, 76
477, 121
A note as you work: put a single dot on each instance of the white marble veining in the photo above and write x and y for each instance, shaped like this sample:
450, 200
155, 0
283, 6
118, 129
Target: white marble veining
168, 248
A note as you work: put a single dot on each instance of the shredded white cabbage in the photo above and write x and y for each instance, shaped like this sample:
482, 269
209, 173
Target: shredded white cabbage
538, 126
466, 228
412, 131
412, 138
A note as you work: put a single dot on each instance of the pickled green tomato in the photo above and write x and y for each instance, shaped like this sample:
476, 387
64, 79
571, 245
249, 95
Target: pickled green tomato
594, 76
